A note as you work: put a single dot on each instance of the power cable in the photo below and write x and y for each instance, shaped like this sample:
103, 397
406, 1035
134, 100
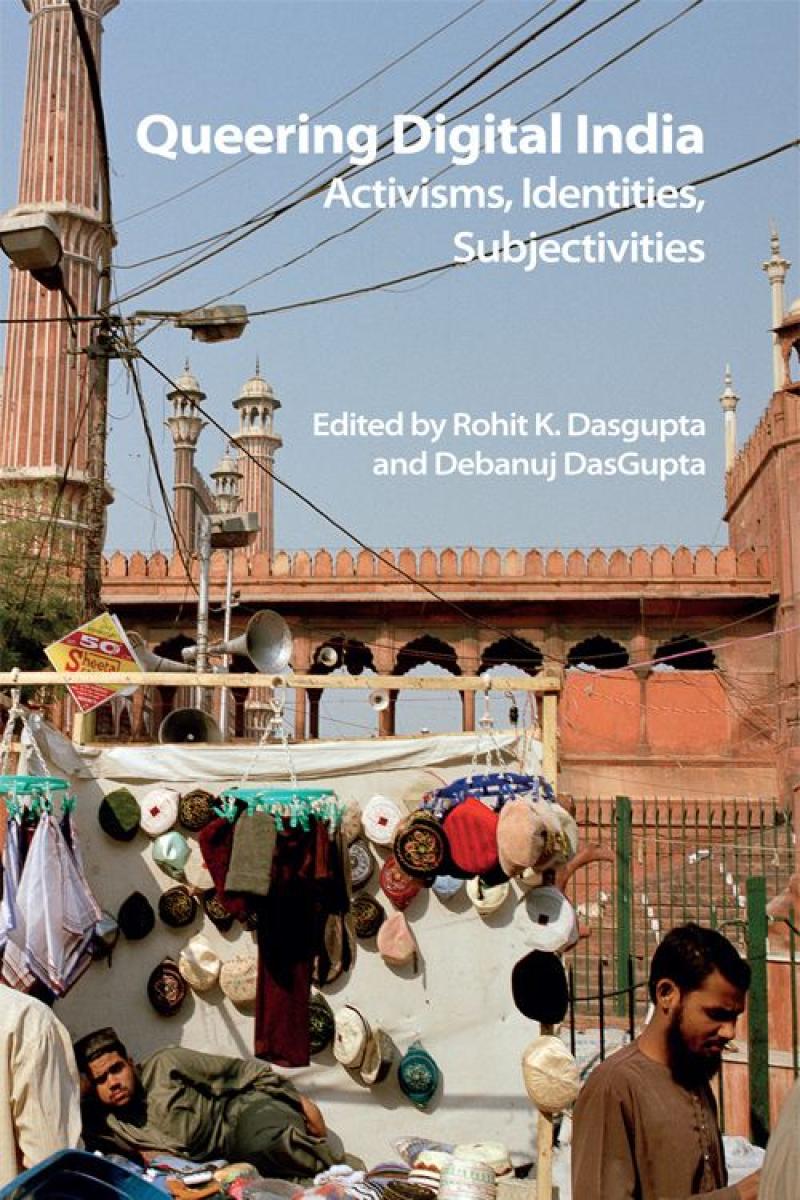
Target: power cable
211, 238
506, 633
313, 117
447, 266
548, 104
177, 535
256, 225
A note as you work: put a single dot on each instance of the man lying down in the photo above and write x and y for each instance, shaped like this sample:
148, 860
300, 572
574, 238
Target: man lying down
199, 1106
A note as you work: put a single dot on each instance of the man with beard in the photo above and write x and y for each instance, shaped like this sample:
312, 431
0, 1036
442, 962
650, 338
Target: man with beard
199, 1106
645, 1124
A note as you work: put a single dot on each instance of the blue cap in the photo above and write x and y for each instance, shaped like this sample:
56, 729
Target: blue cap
418, 1075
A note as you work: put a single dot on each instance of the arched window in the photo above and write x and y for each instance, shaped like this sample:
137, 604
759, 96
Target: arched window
685, 653
599, 653
517, 652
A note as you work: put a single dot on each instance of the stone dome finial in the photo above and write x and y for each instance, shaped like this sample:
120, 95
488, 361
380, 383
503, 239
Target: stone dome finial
257, 391
728, 399
187, 382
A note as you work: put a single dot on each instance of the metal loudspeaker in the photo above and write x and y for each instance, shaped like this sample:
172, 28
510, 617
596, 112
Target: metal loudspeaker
328, 656
149, 661
379, 700
267, 642
189, 725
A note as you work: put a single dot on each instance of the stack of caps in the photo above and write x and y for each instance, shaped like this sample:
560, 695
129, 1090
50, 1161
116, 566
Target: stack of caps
467, 1179
427, 1169
492, 1154
400, 1189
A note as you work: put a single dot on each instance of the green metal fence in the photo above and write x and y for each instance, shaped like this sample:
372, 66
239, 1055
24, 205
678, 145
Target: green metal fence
675, 861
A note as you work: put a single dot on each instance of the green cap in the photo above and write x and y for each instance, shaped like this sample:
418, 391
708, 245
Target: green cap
119, 815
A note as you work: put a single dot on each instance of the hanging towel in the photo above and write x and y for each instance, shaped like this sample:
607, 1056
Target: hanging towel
250, 866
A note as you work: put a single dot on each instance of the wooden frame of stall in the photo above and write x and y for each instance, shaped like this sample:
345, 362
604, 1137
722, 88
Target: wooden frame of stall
547, 685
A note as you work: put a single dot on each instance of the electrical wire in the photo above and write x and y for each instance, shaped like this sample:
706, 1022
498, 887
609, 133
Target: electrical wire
542, 62
255, 225
313, 117
440, 268
342, 159
506, 633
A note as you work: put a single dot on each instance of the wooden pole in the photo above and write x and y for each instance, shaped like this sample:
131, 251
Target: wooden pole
544, 1146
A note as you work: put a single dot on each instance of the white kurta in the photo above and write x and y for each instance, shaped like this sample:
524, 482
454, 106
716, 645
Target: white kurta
39, 1091
780, 1178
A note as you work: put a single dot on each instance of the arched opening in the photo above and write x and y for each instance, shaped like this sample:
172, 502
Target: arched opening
516, 652
684, 653
342, 712
427, 711
598, 653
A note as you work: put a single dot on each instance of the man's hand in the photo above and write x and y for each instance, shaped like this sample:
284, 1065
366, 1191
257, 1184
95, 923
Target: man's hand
748, 1187
316, 1126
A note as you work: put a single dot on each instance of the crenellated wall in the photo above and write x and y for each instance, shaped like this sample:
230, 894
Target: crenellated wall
515, 572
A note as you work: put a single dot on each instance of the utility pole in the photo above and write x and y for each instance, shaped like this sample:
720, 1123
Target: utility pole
101, 343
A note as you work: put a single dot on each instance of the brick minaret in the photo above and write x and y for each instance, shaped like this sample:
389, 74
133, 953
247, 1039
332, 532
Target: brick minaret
185, 425
763, 513
43, 418
256, 405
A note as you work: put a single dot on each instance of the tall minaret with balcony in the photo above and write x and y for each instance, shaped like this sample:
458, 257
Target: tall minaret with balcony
729, 400
44, 430
185, 425
257, 443
776, 267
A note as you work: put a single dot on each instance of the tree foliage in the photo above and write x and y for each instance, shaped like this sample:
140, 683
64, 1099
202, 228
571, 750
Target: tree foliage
40, 591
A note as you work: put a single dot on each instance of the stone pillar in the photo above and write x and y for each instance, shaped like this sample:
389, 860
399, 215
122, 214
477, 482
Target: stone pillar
44, 427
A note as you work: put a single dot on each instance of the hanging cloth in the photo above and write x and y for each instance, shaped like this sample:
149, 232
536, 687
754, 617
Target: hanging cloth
56, 915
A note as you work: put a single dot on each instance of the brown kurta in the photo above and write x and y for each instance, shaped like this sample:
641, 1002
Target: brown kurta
638, 1135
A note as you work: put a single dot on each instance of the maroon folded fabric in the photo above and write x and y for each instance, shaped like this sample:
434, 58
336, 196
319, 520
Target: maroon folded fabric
216, 842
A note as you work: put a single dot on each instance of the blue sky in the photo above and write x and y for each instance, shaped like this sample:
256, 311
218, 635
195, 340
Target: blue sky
625, 340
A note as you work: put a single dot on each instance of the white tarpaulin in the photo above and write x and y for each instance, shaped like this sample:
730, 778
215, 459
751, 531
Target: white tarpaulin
457, 1002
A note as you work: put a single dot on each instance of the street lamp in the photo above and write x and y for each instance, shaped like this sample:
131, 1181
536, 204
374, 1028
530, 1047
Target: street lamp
33, 243
219, 323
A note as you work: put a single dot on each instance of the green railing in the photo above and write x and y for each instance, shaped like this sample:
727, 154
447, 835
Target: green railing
675, 861
717, 862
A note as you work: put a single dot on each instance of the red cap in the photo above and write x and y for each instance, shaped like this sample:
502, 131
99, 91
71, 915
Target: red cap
471, 830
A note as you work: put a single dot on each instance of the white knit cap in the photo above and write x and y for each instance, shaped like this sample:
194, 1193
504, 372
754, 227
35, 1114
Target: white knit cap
380, 819
350, 1037
238, 978
554, 924
159, 810
199, 965
195, 871
486, 899
551, 1075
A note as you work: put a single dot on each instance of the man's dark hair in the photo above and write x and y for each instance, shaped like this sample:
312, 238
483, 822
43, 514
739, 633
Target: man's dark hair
93, 1045
688, 955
